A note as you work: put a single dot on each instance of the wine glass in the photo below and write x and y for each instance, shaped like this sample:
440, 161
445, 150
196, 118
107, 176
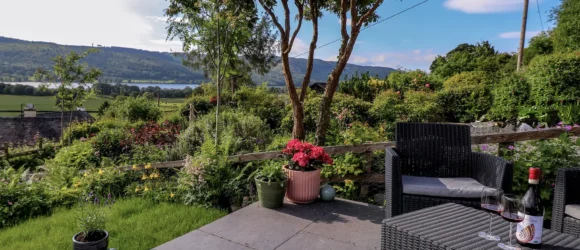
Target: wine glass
490, 202
512, 210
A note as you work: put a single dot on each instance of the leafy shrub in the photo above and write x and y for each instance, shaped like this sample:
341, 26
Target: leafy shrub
359, 133
569, 113
79, 155
262, 103
110, 142
418, 80
420, 106
271, 173
201, 106
139, 108
146, 153
465, 97
78, 130
239, 132
207, 181
512, 93
554, 78
351, 108
20, 200
104, 181
385, 106
154, 133
362, 86
549, 156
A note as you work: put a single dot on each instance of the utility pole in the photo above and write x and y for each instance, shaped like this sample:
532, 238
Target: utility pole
523, 36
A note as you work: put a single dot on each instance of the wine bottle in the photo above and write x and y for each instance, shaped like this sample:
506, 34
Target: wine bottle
529, 231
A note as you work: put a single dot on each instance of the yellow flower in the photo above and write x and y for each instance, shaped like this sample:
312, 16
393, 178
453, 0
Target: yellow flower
146, 189
77, 184
134, 167
137, 189
171, 195
144, 177
148, 166
86, 174
101, 172
154, 175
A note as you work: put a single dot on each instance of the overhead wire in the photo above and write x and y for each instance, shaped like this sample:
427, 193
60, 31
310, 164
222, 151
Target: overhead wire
367, 27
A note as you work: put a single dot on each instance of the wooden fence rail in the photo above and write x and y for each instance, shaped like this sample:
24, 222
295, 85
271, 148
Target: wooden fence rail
369, 148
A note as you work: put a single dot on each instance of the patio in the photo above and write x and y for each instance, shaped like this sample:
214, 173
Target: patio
340, 224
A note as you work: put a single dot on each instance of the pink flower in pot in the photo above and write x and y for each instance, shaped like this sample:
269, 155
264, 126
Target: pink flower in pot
303, 170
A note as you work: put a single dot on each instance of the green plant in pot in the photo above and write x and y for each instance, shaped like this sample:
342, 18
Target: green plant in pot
91, 220
271, 185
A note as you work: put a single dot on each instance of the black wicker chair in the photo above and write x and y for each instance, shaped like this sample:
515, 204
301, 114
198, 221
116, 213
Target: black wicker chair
438, 150
566, 193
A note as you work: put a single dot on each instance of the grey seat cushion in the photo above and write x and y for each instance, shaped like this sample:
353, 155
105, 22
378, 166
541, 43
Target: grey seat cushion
573, 211
442, 187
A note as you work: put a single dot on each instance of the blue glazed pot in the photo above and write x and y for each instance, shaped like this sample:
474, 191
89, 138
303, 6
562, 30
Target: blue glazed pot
327, 193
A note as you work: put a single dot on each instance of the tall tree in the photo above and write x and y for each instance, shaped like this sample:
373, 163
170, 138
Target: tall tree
362, 12
225, 38
311, 11
66, 73
566, 34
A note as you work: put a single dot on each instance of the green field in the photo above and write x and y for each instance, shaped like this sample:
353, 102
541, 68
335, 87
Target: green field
47, 103
133, 224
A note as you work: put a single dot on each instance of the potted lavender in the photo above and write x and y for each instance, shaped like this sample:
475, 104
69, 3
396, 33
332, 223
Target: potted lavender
91, 221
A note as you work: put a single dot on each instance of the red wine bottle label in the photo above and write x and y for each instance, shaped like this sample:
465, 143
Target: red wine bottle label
530, 229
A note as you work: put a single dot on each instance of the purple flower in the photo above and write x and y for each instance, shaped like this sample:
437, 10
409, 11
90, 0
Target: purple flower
10, 203
560, 123
568, 127
511, 147
91, 194
484, 147
576, 125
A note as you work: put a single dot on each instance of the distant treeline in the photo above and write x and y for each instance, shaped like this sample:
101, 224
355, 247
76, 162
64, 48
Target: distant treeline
127, 90
19, 89
103, 89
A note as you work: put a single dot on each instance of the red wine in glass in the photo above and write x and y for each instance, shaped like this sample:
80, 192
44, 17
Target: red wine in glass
512, 217
491, 208
490, 202
512, 210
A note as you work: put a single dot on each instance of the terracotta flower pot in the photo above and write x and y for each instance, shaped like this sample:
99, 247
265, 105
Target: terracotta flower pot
303, 186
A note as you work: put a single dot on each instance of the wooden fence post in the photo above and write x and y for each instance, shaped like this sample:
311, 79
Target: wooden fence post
191, 113
364, 187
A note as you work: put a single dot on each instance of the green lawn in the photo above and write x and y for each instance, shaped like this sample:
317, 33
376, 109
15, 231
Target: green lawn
133, 224
45, 103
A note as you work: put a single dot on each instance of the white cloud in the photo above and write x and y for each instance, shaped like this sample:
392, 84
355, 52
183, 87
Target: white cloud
123, 23
299, 48
420, 59
484, 6
516, 34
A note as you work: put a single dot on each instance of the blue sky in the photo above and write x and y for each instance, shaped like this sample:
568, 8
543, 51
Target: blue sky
411, 40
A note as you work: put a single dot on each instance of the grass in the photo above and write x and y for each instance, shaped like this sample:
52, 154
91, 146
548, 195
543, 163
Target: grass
47, 103
133, 224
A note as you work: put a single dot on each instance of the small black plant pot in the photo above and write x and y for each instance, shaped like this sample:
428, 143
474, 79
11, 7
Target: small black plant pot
101, 244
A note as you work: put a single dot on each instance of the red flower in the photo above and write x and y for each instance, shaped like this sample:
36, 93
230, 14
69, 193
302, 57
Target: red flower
398, 92
301, 159
316, 153
428, 85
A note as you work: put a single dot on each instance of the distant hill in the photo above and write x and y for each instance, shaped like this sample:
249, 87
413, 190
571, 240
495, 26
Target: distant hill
19, 59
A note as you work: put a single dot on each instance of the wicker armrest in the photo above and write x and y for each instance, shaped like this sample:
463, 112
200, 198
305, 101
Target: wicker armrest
492, 171
393, 184
567, 181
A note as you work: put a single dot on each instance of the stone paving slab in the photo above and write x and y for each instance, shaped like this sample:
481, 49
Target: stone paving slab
308, 241
200, 240
340, 224
262, 228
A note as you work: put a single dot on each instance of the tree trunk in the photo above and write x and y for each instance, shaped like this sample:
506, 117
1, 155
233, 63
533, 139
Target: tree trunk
331, 86
297, 109
309, 63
